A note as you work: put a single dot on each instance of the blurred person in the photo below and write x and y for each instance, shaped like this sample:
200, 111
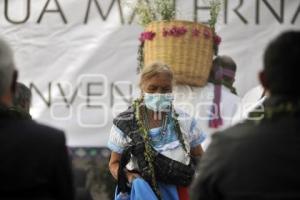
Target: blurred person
222, 74
22, 100
22, 97
34, 158
214, 104
259, 158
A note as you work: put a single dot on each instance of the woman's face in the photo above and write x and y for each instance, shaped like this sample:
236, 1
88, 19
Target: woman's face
161, 83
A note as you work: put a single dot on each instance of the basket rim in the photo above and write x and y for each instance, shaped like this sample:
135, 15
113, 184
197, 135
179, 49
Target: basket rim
182, 21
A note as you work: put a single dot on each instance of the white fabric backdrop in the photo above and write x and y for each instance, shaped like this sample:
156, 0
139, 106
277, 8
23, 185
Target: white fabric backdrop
73, 55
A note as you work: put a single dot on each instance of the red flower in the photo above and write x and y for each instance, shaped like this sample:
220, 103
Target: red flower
206, 33
217, 40
172, 31
175, 31
181, 30
147, 36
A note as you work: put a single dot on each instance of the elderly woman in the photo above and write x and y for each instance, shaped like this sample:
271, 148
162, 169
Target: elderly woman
154, 141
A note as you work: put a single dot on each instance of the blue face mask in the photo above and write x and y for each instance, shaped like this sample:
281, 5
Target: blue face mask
158, 102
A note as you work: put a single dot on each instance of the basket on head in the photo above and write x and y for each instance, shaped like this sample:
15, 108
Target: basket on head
187, 47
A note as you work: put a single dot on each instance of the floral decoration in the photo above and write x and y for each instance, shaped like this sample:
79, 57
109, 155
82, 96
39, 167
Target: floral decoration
217, 39
165, 10
206, 33
174, 31
148, 35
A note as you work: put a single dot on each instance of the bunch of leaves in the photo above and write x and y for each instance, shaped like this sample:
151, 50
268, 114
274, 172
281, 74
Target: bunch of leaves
148, 154
165, 9
145, 12
215, 7
152, 10
140, 57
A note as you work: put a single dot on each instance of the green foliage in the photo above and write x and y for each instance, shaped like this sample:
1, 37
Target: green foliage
149, 154
165, 9
145, 12
215, 7
140, 57
152, 10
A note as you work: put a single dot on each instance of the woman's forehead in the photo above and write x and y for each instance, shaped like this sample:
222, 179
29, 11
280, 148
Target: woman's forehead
161, 76
160, 79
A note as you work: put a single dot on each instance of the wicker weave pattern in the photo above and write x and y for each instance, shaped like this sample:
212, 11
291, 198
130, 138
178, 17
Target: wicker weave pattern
189, 56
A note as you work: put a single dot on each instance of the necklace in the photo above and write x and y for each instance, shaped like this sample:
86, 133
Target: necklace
144, 127
163, 124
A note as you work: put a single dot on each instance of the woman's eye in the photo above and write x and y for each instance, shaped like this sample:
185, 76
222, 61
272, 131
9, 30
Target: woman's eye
151, 89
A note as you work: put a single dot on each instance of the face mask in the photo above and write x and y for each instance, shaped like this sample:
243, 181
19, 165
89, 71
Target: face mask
158, 101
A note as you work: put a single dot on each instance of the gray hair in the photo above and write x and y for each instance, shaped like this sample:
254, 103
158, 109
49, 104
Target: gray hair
154, 69
7, 66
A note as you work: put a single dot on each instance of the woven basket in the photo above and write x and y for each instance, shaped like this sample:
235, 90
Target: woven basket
189, 55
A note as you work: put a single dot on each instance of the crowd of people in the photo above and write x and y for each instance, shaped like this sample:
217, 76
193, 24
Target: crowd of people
159, 150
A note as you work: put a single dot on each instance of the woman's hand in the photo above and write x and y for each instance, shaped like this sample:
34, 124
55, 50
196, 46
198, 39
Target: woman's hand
114, 167
131, 176
197, 151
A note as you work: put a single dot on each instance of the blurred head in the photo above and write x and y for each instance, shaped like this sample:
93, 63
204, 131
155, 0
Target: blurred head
156, 83
280, 75
8, 74
22, 97
223, 72
156, 78
223, 62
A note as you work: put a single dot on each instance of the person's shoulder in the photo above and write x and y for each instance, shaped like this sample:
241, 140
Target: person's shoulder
123, 120
225, 148
182, 114
40, 126
240, 131
124, 116
239, 140
41, 131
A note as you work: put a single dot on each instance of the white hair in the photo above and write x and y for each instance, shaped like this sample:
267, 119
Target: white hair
6, 67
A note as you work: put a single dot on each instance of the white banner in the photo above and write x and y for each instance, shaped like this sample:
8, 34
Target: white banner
79, 57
